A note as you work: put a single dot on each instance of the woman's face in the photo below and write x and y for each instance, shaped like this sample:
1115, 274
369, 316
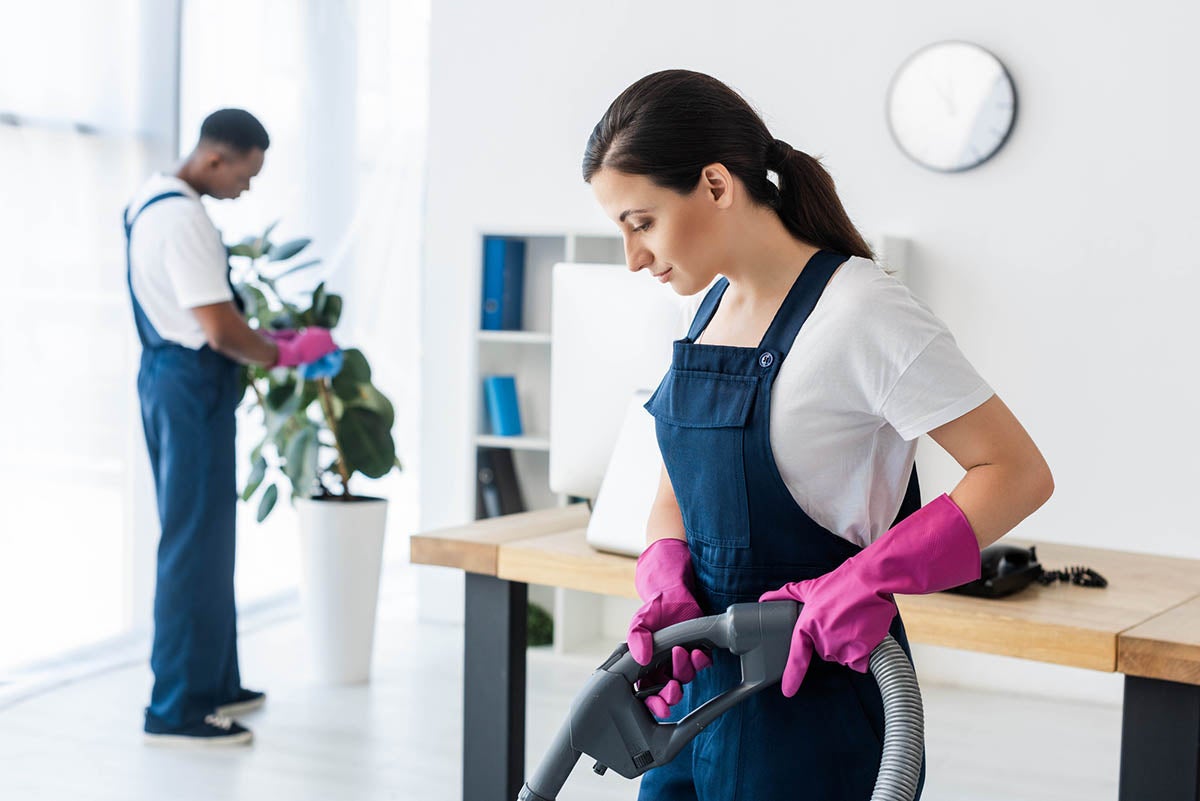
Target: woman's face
676, 238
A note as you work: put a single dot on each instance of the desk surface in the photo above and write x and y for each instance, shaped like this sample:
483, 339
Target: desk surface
475, 547
1152, 603
1166, 646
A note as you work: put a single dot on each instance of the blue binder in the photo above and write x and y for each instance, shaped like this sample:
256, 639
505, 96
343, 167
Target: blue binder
503, 283
501, 393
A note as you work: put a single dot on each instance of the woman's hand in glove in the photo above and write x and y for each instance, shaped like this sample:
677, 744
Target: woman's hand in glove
848, 611
664, 579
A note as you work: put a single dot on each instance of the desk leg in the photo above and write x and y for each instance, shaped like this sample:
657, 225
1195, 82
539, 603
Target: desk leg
494, 689
1160, 741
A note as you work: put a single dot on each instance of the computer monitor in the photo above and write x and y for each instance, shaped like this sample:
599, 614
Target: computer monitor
612, 333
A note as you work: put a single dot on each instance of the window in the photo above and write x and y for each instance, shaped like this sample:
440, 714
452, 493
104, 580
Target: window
73, 145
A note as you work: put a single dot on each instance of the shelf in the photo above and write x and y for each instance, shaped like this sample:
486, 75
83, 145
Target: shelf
522, 443
515, 337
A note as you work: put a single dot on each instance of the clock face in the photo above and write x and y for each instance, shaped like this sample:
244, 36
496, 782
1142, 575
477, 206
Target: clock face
951, 106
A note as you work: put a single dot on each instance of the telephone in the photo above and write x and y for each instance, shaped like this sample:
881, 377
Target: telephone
1005, 569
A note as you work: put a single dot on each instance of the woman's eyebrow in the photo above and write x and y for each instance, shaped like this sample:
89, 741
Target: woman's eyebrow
627, 212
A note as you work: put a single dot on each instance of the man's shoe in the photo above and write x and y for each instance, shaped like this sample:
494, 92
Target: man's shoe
245, 701
215, 730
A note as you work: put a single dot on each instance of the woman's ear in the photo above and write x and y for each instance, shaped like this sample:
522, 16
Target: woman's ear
717, 183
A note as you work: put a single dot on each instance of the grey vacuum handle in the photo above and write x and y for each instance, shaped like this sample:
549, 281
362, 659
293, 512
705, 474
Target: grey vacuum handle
611, 724
760, 633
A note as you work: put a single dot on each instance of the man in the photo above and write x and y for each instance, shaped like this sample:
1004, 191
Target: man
194, 341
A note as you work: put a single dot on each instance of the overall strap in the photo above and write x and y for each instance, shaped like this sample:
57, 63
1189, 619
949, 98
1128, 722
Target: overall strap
800, 301
149, 337
707, 308
162, 196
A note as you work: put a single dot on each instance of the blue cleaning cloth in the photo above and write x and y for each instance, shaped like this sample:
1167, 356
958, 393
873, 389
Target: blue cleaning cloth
327, 366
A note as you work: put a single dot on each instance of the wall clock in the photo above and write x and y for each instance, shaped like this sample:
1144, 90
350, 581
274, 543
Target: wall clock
951, 106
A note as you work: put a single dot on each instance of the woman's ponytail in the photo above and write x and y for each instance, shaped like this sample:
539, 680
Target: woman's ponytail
809, 205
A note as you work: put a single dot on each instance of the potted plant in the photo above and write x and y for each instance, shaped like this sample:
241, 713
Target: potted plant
321, 429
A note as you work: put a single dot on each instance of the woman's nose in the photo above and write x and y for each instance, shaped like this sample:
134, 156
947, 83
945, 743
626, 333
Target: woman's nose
636, 258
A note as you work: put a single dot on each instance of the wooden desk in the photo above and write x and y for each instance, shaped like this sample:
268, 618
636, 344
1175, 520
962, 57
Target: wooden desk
1145, 624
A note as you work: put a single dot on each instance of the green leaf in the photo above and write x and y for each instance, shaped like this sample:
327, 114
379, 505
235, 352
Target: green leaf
337, 406
355, 371
297, 268
331, 311
366, 442
263, 243
257, 472
371, 398
268, 502
247, 250
277, 320
280, 393
281, 427
288, 249
311, 393
255, 300
309, 316
301, 460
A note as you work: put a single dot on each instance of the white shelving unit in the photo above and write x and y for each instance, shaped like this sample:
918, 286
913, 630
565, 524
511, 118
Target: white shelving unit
525, 354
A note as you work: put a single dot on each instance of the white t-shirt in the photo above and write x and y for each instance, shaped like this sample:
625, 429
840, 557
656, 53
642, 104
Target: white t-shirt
177, 260
870, 371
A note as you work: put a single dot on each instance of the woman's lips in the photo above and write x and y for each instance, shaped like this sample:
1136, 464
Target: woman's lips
664, 276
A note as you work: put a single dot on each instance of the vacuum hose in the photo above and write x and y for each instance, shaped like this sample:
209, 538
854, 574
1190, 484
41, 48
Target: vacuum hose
611, 724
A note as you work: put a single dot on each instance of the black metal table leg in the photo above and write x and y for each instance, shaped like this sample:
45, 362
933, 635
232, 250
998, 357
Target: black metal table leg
494, 689
1160, 741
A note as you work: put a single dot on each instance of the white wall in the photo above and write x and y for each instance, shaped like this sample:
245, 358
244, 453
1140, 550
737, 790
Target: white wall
1061, 265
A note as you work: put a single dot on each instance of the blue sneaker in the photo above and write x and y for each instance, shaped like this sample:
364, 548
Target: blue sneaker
245, 701
214, 730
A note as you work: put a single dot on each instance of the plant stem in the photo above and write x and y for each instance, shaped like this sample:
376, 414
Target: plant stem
262, 402
327, 407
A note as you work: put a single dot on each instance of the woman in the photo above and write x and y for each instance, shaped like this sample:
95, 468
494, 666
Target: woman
788, 426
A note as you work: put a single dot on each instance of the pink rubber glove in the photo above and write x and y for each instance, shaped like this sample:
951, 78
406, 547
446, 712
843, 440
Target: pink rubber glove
663, 578
848, 611
306, 346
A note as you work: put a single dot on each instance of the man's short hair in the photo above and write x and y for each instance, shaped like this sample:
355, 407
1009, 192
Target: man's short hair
235, 128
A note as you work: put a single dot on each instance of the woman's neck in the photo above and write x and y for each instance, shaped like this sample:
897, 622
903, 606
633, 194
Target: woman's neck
766, 263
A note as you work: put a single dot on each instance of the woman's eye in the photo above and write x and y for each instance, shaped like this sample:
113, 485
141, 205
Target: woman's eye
643, 227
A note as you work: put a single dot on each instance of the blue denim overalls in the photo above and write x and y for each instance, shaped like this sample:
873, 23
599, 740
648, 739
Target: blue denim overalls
747, 535
188, 400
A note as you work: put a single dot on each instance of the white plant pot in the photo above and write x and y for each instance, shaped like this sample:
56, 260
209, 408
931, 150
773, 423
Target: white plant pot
341, 551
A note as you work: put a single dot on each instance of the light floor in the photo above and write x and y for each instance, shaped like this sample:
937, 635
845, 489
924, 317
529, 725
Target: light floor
399, 737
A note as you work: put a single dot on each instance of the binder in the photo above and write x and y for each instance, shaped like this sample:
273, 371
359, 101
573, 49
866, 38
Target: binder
498, 489
503, 411
487, 496
503, 283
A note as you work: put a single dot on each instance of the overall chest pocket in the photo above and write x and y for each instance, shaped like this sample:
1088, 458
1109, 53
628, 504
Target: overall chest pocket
700, 419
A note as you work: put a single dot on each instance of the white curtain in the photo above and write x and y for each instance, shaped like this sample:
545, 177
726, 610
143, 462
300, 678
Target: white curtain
80, 124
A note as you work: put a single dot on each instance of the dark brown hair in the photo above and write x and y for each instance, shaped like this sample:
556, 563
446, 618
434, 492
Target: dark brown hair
669, 125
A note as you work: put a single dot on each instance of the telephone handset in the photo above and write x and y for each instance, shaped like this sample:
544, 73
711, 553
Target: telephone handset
1006, 569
